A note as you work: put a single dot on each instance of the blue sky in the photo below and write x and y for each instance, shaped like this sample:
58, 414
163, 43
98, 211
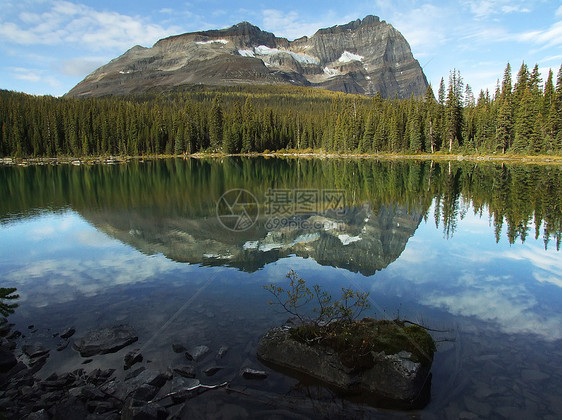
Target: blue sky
47, 46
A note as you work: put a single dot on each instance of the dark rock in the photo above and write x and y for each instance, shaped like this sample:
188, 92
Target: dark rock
182, 388
222, 352
7, 343
178, 348
17, 370
98, 376
7, 360
5, 327
249, 373
57, 383
186, 371
38, 415
37, 363
34, 350
69, 408
30, 327
131, 358
90, 392
393, 381
87, 361
99, 407
105, 340
198, 353
14, 335
69, 332
145, 392
149, 377
140, 410
63, 345
212, 370
134, 373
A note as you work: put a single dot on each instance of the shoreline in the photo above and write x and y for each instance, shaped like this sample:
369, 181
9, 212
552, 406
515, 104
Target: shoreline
112, 160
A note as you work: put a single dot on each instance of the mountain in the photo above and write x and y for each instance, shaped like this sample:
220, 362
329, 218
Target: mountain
364, 57
364, 240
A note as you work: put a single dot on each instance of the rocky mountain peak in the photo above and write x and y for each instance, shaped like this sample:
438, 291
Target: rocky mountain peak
351, 26
364, 56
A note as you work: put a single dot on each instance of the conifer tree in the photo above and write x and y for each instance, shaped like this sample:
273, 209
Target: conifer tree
525, 124
506, 84
216, 124
454, 109
504, 128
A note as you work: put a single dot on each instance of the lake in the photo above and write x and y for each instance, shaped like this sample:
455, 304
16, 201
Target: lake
181, 250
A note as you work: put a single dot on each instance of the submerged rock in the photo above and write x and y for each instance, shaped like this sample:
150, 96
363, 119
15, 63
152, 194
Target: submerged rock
105, 340
69, 332
396, 380
7, 360
131, 358
197, 353
249, 373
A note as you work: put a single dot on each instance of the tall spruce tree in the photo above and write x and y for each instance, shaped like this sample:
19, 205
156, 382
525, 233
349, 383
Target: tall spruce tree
216, 122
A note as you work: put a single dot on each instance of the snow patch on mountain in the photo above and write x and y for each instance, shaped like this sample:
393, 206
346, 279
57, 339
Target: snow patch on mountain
212, 41
348, 57
246, 53
301, 58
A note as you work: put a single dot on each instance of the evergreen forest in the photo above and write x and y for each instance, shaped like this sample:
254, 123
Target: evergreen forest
523, 116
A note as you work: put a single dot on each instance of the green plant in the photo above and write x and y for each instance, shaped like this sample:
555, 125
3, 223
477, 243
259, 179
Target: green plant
348, 308
337, 327
6, 294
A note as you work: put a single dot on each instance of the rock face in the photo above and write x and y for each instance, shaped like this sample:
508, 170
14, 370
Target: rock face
105, 340
395, 381
364, 57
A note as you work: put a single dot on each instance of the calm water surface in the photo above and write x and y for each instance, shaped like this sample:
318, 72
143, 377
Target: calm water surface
469, 249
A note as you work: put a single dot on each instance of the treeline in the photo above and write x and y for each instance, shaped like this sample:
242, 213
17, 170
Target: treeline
521, 200
524, 117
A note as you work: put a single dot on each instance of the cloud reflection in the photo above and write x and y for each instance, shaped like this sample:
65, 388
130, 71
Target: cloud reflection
471, 275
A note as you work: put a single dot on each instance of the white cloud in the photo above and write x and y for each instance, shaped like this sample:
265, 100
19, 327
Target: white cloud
80, 66
26, 74
286, 24
515, 9
291, 25
486, 9
48, 281
426, 28
509, 307
546, 38
69, 23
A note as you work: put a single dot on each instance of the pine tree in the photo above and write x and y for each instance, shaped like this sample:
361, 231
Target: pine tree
535, 81
504, 126
506, 84
525, 124
179, 146
521, 84
441, 93
430, 120
549, 94
454, 109
368, 136
216, 124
